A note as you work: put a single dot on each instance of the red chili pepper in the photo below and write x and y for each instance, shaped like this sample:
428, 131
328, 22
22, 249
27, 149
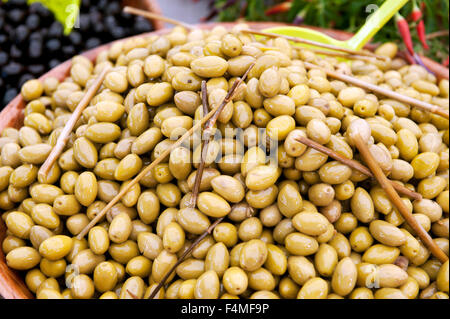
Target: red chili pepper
417, 16
403, 28
445, 62
279, 8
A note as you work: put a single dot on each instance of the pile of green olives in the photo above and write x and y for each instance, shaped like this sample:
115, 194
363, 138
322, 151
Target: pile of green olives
297, 224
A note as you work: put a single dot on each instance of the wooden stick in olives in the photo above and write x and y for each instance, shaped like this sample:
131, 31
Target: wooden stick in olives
206, 138
355, 165
213, 115
377, 89
207, 133
343, 55
204, 152
317, 44
68, 128
186, 252
393, 195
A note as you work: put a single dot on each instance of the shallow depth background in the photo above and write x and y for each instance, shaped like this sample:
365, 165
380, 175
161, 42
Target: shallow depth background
189, 11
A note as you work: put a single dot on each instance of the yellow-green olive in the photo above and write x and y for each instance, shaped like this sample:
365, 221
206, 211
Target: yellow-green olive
23, 258
213, 205
207, 286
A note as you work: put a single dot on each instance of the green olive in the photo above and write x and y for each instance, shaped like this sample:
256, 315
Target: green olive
217, 259
209, 66
56, 247
253, 255
105, 276
386, 233
190, 269
86, 188
139, 266
276, 261
425, 164
310, 223
173, 237
103, 132
314, 288
235, 280
98, 240
213, 205
23, 258
300, 269
162, 264
123, 252
207, 286
19, 224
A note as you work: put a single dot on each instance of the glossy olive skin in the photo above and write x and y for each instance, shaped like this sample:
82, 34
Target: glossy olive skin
386, 233
86, 188
23, 258
211, 66
193, 220
213, 205
253, 255
56, 247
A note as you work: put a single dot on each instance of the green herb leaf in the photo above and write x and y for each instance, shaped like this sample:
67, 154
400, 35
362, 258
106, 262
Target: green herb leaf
65, 11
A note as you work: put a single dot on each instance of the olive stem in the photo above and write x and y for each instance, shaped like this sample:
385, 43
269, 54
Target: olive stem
207, 135
203, 153
213, 114
155, 16
317, 44
386, 92
185, 253
343, 55
437, 34
329, 53
143, 173
355, 165
396, 200
68, 128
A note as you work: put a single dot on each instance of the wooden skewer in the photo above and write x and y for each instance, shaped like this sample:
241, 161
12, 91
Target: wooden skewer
315, 43
207, 131
186, 252
327, 53
68, 128
132, 294
213, 114
144, 172
441, 33
343, 55
396, 200
203, 153
151, 15
389, 93
355, 165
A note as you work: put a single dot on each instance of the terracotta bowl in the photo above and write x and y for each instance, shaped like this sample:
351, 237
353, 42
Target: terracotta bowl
11, 283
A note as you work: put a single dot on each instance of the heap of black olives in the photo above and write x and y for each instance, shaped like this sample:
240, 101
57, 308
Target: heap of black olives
32, 42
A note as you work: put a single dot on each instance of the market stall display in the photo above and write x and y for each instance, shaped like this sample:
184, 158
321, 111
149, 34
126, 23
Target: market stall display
276, 202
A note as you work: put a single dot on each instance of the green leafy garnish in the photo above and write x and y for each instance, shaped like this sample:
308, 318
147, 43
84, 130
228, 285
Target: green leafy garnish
65, 11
